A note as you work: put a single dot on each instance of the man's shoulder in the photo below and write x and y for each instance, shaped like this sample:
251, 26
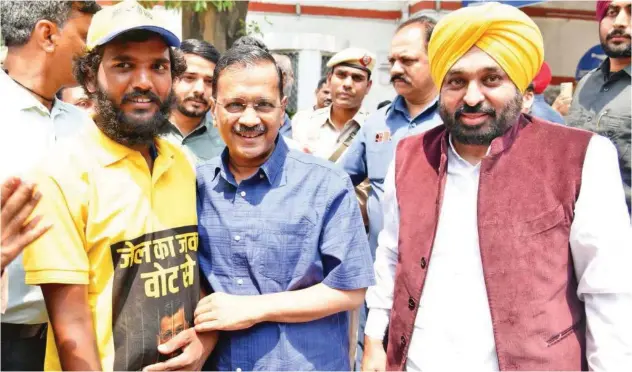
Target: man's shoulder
376, 119
68, 161
301, 116
314, 166
430, 136
318, 116
592, 75
207, 168
557, 131
182, 159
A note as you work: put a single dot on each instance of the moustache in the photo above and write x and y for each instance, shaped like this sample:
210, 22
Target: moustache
246, 130
200, 100
399, 77
478, 109
153, 97
617, 33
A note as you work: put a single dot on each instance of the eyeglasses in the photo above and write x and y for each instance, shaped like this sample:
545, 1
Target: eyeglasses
262, 107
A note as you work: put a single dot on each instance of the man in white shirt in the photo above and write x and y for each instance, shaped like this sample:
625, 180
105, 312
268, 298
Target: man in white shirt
506, 238
42, 39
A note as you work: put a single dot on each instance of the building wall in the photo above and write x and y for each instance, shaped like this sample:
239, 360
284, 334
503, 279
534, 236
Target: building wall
316, 36
568, 28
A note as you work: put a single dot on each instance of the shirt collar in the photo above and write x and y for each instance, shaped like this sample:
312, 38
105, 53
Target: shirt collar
605, 69
358, 117
456, 163
17, 96
399, 105
109, 151
272, 170
204, 126
21, 99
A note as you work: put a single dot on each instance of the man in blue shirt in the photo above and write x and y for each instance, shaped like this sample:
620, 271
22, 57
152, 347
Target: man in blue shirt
533, 99
282, 243
413, 111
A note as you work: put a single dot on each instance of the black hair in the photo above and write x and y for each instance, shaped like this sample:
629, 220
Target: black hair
321, 82
86, 67
383, 103
428, 23
201, 49
245, 56
250, 41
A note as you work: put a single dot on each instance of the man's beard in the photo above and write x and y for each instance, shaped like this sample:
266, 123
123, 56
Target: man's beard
126, 130
616, 51
180, 105
496, 125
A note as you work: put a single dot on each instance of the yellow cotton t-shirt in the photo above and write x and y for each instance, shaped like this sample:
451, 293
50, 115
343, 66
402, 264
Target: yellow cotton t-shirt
128, 234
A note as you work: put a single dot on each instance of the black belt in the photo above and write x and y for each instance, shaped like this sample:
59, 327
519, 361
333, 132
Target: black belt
12, 331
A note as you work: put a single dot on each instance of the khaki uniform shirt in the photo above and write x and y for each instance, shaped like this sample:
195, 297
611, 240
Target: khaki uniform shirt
317, 132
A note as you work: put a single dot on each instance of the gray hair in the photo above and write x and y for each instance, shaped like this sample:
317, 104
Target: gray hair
244, 56
250, 41
20, 17
285, 64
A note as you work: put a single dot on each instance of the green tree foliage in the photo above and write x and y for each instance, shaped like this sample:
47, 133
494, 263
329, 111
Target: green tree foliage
197, 6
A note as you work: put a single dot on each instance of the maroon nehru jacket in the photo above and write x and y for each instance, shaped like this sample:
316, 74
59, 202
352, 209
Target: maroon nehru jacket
527, 192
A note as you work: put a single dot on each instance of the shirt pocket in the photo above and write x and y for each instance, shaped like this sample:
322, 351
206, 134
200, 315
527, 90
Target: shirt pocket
284, 249
379, 156
617, 129
542, 223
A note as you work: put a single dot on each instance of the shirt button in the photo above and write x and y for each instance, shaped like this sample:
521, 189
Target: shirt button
423, 262
240, 281
261, 175
237, 238
411, 303
243, 193
238, 370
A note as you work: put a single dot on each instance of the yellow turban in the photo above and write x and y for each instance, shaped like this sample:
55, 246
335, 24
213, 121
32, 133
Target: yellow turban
504, 32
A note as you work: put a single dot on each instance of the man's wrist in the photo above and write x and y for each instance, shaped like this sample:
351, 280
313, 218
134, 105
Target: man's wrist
372, 341
208, 340
262, 309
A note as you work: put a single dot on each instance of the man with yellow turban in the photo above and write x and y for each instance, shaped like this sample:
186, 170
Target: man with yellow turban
506, 239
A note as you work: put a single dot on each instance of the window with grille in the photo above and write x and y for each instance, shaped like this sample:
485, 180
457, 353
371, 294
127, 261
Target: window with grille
292, 105
323, 64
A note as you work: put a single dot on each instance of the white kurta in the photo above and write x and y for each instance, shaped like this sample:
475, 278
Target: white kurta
453, 328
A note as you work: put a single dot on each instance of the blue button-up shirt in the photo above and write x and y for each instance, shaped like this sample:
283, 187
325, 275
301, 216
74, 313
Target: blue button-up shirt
292, 225
373, 148
543, 110
286, 128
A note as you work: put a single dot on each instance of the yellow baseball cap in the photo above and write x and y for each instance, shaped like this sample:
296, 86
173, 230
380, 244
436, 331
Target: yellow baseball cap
125, 16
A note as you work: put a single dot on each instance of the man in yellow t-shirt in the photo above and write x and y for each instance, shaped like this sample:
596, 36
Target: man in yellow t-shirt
119, 268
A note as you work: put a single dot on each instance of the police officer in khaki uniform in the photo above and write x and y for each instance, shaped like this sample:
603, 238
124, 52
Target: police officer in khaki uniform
328, 132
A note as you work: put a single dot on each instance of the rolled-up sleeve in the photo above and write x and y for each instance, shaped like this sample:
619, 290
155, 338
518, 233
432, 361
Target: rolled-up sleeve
379, 298
344, 247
